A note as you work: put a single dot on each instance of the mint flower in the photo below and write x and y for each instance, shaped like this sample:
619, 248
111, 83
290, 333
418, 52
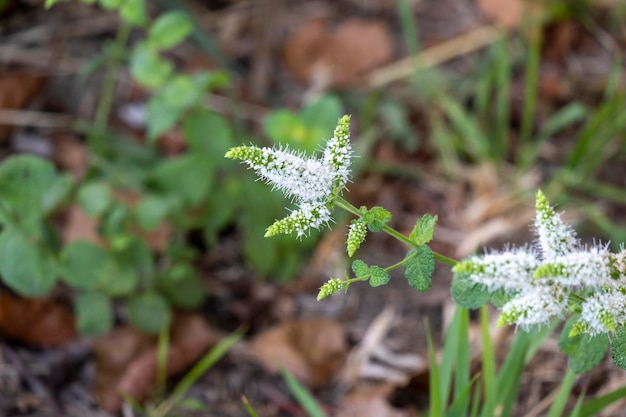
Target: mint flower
311, 183
555, 237
544, 285
356, 236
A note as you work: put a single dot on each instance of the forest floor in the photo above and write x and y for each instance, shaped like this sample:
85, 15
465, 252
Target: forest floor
363, 353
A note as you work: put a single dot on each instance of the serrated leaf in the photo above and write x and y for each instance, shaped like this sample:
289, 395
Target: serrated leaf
378, 276
149, 312
467, 293
584, 351
618, 348
360, 268
94, 313
25, 267
377, 218
424, 229
419, 268
169, 30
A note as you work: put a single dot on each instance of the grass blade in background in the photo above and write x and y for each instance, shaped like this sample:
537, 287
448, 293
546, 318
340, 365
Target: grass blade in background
499, 137
436, 401
302, 395
596, 405
530, 88
488, 366
558, 406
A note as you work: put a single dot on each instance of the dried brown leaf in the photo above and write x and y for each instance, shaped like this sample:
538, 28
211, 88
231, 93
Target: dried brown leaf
16, 90
37, 321
313, 350
340, 58
126, 359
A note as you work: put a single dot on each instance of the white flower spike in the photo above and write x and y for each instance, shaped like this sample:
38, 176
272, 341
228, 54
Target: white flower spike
312, 183
543, 286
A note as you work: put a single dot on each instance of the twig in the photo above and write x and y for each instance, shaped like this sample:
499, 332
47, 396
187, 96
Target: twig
35, 118
40, 58
436, 55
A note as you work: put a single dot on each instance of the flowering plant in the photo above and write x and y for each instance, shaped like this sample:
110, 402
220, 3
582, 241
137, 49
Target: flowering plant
534, 286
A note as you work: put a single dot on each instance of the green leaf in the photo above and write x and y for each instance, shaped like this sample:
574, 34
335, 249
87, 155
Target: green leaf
161, 116
321, 116
110, 4
151, 211
188, 177
210, 80
181, 92
25, 267
423, 230
360, 268
149, 312
584, 351
57, 192
95, 197
378, 276
148, 68
284, 126
133, 12
94, 313
467, 293
209, 135
85, 265
618, 348
25, 186
183, 287
376, 218
169, 30
419, 267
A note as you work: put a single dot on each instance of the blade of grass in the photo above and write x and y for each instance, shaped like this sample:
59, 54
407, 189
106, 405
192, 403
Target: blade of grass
408, 25
302, 395
530, 89
162, 352
607, 120
463, 360
206, 362
449, 355
248, 407
594, 406
579, 404
459, 406
475, 142
565, 117
488, 366
557, 407
498, 148
436, 402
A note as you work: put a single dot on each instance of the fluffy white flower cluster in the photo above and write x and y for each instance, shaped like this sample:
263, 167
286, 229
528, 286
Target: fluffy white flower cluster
545, 284
312, 183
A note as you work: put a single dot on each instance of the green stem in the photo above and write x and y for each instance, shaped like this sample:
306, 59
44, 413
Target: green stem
108, 87
341, 202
